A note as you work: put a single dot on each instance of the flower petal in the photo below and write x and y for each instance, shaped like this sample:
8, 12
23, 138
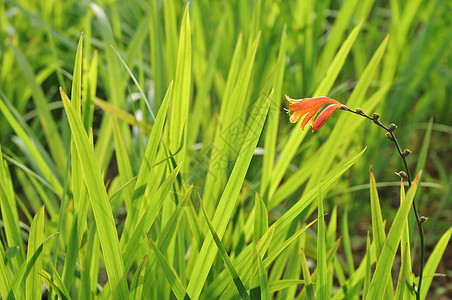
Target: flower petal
309, 103
308, 118
324, 115
292, 100
296, 116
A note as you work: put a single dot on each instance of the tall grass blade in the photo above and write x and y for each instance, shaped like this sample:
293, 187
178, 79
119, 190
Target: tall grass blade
388, 252
99, 201
227, 201
36, 238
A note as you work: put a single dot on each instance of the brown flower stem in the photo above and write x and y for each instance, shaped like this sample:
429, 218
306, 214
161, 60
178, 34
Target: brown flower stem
377, 122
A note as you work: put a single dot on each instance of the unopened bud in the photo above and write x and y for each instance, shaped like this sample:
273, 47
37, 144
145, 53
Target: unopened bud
406, 152
389, 136
375, 117
359, 111
392, 127
422, 219
402, 174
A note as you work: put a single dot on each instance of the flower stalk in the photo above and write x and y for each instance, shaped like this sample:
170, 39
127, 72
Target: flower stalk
403, 154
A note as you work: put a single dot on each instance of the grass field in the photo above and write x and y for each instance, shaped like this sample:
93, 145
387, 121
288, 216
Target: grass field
147, 151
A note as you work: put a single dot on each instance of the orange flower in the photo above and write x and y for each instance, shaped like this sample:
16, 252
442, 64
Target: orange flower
309, 107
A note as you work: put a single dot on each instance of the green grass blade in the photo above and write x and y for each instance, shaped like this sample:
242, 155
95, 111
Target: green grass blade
76, 93
433, 262
99, 201
10, 216
273, 254
402, 281
5, 277
368, 274
283, 284
265, 290
337, 63
379, 236
136, 289
30, 144
249, 267
310, 196
181, 95
378, 227
224, 255
145, 169
271, 132
35, 239
321, 286
124, 164
227, 202
146, 221
384, 264
406, 269
56, 284
260, 218
165, 239
336, 34
49, 126
169, 273
145, 99
307, 277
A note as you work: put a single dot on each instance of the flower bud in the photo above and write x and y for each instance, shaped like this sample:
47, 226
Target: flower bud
402, 174
422, 219
392, 127
375, 117
359, 111
406, 152
389, 136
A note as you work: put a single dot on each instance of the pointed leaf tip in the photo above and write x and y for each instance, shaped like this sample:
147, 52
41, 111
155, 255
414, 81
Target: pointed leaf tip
418, 177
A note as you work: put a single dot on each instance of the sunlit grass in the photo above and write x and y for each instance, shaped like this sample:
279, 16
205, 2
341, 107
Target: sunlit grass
164, 103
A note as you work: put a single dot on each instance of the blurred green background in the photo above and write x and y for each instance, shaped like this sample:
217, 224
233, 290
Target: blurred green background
411, 86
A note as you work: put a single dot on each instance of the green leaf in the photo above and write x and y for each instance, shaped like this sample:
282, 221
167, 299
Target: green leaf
136, 289
57, 284
273, 254
283, 284
434, 260
181, 95
310, 196
224, 255
260, 218
35, 240
384, 264
10, 216
49, 126
321, 287
227, 202
5, 277
271, 132
265, 290
14, 120
99, 201
143, 177
307, 276
368, 262
150, 213
170, 274
379, 236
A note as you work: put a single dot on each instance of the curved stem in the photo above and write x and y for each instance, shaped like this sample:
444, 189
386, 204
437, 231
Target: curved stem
377, 122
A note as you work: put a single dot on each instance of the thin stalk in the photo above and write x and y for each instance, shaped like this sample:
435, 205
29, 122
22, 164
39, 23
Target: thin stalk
419, 220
